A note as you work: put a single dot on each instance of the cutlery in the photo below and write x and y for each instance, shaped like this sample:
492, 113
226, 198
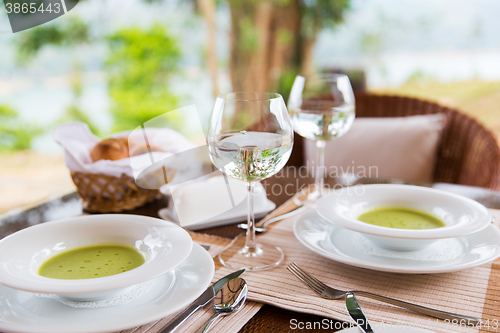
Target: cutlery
331, 293
262, 228
206, 297
228, 300
356, 313
299, 199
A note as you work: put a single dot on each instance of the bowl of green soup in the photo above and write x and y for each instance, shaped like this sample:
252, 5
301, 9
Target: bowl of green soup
403, 217
91, 257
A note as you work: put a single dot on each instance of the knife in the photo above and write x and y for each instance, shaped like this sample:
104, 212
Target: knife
206, 297
356, 313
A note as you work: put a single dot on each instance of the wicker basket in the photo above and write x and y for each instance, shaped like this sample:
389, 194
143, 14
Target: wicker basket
106, 194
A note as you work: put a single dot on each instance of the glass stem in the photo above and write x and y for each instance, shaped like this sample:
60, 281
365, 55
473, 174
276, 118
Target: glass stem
320, 167
250, 244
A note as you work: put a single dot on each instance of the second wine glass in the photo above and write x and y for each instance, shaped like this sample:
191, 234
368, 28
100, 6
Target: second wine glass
322, 108
250, 138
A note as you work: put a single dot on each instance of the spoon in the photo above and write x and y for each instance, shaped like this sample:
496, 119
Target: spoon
262, 228
229, 299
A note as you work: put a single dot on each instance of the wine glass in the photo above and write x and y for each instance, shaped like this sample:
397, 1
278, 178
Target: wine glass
322, 108
250, 137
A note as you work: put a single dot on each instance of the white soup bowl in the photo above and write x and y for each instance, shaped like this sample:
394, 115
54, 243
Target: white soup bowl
163, 245
461, 216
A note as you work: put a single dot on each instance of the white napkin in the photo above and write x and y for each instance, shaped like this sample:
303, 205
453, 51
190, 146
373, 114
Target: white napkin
77, 141
216, 201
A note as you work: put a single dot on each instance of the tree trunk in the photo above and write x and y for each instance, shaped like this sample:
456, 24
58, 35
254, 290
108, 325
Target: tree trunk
307, 66
264, 39
286, 55
208, 11
240, 59
263, 21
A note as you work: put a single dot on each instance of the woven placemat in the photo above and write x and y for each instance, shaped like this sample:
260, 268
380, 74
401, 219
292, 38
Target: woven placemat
232, 323
461, 292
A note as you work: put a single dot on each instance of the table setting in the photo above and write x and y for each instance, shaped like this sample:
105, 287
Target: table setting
461, 292
352, 258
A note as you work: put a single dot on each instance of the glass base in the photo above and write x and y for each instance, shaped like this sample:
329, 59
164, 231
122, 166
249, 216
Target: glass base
257, 259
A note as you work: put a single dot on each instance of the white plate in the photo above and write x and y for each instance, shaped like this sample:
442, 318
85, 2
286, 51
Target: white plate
229, 217
352, 248
22, 311
213, 202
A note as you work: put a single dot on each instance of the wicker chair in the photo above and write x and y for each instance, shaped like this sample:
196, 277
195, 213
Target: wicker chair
468, 153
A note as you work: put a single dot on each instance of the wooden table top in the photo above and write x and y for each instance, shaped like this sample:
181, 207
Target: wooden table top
279, 189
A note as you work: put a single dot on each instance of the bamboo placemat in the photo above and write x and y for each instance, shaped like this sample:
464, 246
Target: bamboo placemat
470, 292
474, 292
232, 323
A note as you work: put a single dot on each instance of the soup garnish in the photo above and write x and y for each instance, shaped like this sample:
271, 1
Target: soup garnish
401, 218
92, 261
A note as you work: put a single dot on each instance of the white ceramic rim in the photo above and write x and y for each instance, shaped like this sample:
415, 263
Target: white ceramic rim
178, 240
301, 228
331, 208
126, 316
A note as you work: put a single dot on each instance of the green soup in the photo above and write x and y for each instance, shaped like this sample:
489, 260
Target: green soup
401, 218
92, 262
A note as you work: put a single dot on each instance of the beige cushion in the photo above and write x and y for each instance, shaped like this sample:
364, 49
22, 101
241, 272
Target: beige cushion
399, 147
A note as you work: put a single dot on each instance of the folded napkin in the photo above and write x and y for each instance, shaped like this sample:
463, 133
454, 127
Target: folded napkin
77, 141
462, 292
213, 202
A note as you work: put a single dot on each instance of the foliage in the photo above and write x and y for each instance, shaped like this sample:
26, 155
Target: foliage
285, 83
318, 14
272, 38
69, 33
139, 66
74, 113
15, 134
72, 32
249, 36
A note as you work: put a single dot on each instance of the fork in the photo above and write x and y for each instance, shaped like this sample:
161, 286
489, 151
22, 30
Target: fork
331, 293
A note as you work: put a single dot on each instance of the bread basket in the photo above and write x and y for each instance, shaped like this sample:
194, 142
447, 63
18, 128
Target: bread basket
112, 185
101, 193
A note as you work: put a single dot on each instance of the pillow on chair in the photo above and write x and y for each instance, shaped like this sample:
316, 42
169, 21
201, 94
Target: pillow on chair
398, 147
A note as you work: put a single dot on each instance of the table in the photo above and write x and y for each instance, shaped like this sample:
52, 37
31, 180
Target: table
279, 188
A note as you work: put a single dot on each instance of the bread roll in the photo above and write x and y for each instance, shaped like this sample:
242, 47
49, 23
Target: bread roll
110, 149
